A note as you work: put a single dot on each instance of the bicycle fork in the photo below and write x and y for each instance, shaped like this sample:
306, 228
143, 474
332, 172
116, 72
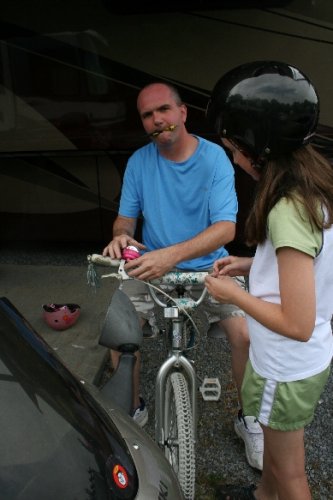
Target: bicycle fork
175, 360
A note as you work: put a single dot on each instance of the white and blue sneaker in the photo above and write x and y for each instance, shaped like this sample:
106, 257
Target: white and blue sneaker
140, 414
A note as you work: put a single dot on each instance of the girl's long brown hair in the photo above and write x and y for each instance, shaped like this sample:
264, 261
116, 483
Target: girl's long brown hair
304, 175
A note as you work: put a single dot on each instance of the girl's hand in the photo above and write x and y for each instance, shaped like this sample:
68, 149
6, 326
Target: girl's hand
232, 266
223, 288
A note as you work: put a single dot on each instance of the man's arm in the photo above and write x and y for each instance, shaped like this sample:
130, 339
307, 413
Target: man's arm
215, 236
157, 262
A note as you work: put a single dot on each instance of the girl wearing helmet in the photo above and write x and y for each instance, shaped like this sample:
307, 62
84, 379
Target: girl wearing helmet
266, 113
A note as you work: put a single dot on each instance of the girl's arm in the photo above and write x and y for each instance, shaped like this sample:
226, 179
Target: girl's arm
295, 316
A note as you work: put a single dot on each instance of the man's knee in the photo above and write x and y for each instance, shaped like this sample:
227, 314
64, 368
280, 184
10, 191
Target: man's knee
236, 331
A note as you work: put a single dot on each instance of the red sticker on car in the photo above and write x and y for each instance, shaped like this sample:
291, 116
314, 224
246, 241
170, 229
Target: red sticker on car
120, 476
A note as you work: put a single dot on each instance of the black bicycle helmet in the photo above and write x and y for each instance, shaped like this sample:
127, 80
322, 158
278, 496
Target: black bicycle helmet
268, 108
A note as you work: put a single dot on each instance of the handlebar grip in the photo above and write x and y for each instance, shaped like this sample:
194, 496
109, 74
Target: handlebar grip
181, 278
102, 260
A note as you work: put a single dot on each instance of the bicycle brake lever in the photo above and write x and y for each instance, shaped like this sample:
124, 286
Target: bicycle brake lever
122, 272
121, 275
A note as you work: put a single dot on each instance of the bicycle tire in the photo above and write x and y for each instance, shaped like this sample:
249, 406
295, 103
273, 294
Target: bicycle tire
179, 443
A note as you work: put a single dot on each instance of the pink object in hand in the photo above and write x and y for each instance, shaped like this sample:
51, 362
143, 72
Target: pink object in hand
130, 253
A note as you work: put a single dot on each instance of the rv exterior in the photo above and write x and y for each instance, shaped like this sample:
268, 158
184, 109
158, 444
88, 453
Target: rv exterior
70, 72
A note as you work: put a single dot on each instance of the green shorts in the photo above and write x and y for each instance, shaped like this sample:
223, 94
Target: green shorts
284, 406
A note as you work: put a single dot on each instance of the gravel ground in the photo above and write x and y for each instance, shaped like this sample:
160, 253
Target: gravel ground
220, 453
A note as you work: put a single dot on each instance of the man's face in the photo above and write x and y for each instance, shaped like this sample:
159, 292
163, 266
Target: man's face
160, 114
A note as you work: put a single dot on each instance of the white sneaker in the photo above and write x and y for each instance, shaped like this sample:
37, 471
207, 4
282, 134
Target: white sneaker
248, 429
140, 414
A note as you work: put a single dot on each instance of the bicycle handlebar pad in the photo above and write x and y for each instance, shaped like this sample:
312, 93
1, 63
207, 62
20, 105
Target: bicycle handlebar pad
177, 277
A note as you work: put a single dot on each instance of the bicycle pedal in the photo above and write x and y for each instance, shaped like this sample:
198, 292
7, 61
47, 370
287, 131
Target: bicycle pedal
210, 389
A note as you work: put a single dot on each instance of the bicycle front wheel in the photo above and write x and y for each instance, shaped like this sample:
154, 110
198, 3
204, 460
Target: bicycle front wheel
179, 446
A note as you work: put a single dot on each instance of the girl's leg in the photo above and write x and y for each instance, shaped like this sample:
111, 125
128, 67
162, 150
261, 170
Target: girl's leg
284, 476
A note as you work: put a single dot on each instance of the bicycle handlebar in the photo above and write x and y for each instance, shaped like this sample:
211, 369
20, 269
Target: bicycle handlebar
172, 278
102, 260
177, 277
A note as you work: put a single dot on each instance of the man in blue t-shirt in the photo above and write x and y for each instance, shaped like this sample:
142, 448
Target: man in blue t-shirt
183, 187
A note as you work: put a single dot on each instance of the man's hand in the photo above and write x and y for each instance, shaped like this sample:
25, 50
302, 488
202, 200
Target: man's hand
116, 246
151, 265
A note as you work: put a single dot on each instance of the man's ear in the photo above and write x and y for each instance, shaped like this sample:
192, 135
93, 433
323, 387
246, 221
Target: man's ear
184, 112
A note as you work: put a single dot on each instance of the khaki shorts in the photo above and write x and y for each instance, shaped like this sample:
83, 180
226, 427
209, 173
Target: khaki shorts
213, 310
284, 406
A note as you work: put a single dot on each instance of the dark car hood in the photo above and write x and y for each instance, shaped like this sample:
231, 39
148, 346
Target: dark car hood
55, 441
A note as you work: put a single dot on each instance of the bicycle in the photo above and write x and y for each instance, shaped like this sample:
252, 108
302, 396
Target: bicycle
176, 392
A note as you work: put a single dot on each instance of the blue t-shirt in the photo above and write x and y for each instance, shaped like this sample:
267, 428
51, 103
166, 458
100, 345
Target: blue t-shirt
179, 200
